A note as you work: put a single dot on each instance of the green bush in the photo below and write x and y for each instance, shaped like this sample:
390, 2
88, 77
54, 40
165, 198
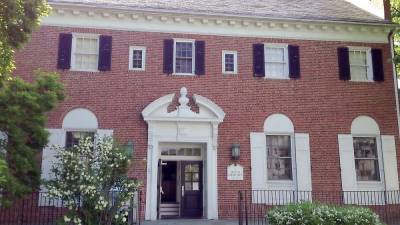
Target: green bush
318, 214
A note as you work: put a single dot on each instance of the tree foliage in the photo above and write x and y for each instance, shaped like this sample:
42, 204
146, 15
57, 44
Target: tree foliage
395, 10
91, 181
22, 104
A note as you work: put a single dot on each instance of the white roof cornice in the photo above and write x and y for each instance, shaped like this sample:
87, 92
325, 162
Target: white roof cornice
69, 15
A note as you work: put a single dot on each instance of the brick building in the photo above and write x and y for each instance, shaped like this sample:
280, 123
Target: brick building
221, 96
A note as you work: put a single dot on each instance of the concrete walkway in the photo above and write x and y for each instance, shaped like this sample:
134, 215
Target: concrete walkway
190, 222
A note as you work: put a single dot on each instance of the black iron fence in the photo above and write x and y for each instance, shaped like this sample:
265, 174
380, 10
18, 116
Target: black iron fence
254, 205
39, 209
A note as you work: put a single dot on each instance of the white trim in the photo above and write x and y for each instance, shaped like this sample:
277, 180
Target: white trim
73, 50
134, 20
285, 74
141, 48
193, 56
235, 62
367, 50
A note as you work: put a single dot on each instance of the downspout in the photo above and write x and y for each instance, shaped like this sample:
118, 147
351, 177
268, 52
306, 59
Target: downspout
390, 37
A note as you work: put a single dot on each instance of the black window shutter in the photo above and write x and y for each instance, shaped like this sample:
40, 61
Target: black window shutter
64, 51
168, 56
105, 53
258, 60
200, 57
377, 64
294, 61
344, 63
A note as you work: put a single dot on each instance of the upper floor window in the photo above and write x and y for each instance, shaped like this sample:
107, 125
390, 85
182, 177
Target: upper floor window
137, 58
279, 157
184, 57
276, 61
229, 62
360, 64
366, 158
85, 52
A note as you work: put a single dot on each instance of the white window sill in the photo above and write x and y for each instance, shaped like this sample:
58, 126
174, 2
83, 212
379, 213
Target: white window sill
136, 69
183, 74
363, 81
229, 73
81, 70
370, 185
276, 78
281, 185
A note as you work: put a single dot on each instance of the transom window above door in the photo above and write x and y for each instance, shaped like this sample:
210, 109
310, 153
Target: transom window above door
181, 151
366, 158
184, 57
279, 157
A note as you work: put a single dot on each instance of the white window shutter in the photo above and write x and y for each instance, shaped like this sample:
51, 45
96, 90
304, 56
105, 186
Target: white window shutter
258, 161
347, 165
303, 162
103, 133
56, 138
390, 162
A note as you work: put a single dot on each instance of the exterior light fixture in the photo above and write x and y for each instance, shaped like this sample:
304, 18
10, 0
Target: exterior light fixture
235, 151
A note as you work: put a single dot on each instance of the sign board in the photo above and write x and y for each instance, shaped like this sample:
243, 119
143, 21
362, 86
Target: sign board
235, 172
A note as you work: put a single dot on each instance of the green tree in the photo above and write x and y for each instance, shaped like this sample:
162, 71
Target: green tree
22, 104
395, 10
91, 180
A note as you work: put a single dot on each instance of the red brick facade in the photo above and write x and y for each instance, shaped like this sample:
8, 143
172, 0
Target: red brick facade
318, 103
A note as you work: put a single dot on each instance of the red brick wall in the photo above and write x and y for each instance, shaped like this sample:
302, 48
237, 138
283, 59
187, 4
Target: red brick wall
318, 103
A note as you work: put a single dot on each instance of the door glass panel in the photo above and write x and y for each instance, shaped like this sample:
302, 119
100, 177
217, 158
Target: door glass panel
195, 177
195, 186
188, 186
187, 177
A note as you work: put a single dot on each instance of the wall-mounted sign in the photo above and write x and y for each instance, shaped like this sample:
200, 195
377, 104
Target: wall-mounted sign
235, 172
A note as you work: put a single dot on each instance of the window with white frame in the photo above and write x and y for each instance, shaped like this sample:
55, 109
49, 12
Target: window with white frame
229, 62
137, 58
276, 61
366, 158
360, 64
184, 57
279, 157
85, 52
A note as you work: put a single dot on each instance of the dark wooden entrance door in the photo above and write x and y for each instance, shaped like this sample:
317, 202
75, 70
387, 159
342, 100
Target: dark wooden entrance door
192, 189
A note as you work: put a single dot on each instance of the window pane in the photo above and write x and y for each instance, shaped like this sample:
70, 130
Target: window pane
275, 54
184, 49
358, 58
183, 66
366, 158
275, 69
196, 186
279, 161
365, 147
358, 73
367, 170
229, 62
137, 59
73, 137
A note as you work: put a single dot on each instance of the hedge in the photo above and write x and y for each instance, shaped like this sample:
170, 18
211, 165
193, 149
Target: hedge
318, 214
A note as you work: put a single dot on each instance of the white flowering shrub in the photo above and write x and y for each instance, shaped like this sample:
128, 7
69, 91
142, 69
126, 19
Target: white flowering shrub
319, 214
92, 183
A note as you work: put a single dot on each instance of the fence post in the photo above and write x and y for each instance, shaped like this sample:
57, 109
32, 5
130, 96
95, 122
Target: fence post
240, 207
245, 208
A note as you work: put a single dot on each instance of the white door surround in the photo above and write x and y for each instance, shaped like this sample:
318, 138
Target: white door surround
183, 126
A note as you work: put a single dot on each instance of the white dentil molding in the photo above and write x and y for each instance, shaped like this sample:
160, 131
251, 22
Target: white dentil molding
118, 19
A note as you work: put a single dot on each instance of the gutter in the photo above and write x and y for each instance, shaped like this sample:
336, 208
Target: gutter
396, 90
238, 16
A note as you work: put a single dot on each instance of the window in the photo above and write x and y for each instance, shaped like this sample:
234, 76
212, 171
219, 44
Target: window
137, 58
279, 157
184, 57
366, 159
229, 62
85, 52
73, 137
360, 64
276, 61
